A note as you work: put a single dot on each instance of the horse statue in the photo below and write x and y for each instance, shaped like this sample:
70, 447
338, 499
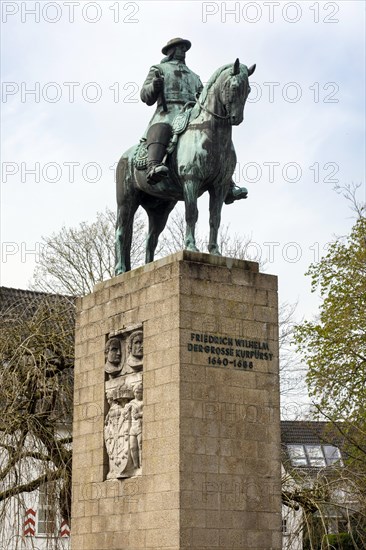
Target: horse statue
204, 159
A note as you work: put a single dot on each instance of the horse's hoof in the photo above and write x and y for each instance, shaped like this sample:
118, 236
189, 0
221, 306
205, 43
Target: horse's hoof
192, 248
215, 252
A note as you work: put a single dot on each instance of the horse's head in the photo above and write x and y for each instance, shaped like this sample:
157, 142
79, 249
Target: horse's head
234, 89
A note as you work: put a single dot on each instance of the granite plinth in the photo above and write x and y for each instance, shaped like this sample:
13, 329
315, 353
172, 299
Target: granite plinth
210, 475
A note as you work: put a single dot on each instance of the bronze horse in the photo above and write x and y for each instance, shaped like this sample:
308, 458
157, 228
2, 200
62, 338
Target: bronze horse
203, 160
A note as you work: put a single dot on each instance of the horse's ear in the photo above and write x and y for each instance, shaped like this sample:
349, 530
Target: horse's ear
236, 67
251, 69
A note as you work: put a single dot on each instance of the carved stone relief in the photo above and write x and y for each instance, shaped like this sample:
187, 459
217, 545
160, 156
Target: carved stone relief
123, 389
113, 357
135, 351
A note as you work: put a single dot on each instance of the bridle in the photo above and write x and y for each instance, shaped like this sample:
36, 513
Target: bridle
216, 115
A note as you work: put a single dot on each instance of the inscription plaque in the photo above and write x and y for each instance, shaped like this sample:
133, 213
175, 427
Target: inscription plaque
229, 351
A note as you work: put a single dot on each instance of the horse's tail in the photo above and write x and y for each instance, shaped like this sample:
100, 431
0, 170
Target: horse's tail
124, 173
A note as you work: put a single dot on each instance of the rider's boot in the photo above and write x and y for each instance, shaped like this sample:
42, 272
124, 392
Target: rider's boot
157, 138
235, 193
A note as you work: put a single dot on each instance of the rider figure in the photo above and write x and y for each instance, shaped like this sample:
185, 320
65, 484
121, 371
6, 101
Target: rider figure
171, 84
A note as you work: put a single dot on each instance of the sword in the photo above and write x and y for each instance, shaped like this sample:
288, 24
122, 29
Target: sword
162, 95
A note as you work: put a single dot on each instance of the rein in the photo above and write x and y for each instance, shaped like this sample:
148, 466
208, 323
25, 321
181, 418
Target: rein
216, 115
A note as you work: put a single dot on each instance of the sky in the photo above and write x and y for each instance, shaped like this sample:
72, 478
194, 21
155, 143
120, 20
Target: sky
71, 75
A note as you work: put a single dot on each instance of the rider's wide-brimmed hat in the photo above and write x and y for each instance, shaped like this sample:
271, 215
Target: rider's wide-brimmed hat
175, 42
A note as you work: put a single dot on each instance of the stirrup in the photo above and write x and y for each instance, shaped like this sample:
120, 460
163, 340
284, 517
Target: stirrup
235, 194
156, 173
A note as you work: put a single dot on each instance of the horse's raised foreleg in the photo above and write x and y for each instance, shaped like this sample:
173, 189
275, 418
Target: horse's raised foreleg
216, 202
158, 216
190, 199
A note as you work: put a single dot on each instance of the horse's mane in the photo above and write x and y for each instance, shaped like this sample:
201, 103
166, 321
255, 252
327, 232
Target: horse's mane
206, 89
213, 79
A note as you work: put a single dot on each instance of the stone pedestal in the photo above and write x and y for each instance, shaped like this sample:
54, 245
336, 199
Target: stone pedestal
210, 473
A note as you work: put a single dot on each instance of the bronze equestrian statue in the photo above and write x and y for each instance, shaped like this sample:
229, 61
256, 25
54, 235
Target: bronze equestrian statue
186, 150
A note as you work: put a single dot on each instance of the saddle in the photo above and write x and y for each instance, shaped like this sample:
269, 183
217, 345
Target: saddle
179, 125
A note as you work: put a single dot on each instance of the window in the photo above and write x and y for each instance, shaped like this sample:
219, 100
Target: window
284, 527
297, 455
332, 455
314, 456
46, 517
